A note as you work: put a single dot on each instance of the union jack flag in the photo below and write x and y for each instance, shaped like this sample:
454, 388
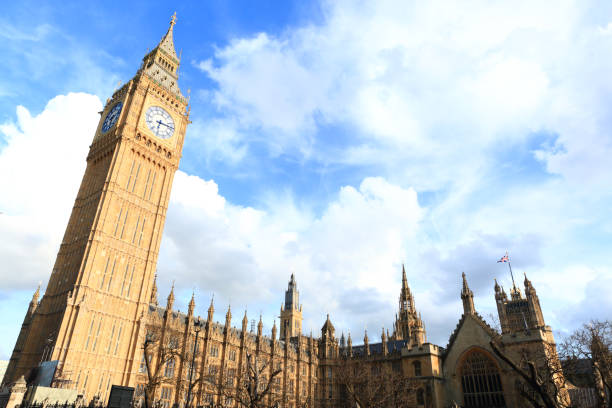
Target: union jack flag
504, 259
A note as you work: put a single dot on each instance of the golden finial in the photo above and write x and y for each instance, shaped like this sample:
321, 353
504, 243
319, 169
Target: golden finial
173, 20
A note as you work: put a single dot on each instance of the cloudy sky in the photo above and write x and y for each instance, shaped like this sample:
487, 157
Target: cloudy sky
336, 140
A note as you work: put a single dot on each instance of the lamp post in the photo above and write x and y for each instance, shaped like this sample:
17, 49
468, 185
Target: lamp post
197, 326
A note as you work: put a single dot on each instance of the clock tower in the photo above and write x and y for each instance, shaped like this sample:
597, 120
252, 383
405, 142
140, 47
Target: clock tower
86, 327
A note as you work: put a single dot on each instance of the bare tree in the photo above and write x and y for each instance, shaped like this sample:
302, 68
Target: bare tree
593, 343
541, 381
158, 353
252, 386
374, 384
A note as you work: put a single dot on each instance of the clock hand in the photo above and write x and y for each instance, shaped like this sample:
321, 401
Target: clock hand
162, 123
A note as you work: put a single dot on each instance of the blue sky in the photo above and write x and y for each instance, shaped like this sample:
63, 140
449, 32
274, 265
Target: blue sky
336, 140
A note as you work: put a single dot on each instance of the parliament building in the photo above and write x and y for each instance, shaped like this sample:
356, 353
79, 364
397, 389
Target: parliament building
100, 310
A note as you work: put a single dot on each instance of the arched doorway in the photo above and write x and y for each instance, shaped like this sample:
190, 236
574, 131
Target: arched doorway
480, 381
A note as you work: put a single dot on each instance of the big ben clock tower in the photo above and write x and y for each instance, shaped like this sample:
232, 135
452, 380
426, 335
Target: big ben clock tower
86, 325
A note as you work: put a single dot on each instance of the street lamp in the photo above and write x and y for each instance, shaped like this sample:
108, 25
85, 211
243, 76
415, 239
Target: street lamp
197, 326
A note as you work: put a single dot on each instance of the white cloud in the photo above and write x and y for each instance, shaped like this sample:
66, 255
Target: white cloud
42, 165
246, 255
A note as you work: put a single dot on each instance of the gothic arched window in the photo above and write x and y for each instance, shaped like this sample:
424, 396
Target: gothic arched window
480, 382
169, 371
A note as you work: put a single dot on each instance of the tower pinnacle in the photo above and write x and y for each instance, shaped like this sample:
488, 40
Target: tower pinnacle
467, 296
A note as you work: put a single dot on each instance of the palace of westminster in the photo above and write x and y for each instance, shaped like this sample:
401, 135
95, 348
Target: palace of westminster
100, 304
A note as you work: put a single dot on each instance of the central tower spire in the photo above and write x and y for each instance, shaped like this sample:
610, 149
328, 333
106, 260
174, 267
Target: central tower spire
291, 312
408, 324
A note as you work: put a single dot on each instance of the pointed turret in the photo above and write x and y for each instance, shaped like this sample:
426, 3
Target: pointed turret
536, 316
259, 327
274, 330
191, 305
328, 330
170, 299
245, 322
467, 297
366, 343
211, 310
228, 316
383, 338
153, 299
349, 344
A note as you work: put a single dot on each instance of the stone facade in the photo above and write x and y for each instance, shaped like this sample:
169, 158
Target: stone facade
100, 306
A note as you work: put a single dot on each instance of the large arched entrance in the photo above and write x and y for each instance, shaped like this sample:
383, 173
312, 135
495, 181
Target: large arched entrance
480, 381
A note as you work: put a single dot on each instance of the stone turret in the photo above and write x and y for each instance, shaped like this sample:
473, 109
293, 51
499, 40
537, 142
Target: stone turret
467, 297
291, 312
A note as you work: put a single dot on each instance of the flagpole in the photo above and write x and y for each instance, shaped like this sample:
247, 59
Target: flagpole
511, 274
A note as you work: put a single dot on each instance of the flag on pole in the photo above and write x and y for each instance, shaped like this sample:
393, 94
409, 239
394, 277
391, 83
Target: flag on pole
504, 259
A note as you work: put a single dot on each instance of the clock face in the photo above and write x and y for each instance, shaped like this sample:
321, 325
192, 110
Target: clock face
160, 122
112, 117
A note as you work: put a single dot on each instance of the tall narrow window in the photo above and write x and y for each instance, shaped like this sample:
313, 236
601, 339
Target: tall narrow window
144, 193
125, 274
97, 335
152, 185
130, 282
89, 333
135, 178
127, 186
118, 221
110, 341
127, 211
142, 227
136, 229
118, 339
110, 278
169, 370
105, 271
480, 382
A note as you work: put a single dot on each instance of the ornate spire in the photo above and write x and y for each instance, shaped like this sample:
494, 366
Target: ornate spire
211, 309
259, 326
529, 289
467, 297
274, 330
167, 42
366, 343
161, 64
191, 304
245, 323
170, 298
153, 299
228, 315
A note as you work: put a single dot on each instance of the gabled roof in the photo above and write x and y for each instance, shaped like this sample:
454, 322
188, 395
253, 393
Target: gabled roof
478, 319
